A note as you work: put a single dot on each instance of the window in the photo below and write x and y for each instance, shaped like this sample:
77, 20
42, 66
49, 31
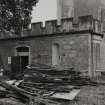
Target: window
55, 54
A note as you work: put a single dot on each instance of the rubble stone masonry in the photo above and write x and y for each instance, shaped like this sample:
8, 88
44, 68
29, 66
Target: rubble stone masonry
75, 43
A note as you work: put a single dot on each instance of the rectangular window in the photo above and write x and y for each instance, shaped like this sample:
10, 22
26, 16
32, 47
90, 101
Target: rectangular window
9, 60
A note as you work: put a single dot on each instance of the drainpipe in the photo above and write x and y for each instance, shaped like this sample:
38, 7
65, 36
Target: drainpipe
59, 11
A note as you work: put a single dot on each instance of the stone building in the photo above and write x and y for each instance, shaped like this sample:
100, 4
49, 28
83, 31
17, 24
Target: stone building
78, 41
62, 46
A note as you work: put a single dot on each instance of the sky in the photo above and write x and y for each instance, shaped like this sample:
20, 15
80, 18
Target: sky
45, 10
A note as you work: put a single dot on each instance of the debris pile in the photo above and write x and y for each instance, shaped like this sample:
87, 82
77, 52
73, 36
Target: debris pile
10, 101
46, 74
43, 85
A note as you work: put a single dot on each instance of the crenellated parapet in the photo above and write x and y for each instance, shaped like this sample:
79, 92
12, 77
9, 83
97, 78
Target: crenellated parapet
52, 27
67, 25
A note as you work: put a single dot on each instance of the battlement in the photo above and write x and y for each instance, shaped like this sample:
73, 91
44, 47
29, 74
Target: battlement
67, 25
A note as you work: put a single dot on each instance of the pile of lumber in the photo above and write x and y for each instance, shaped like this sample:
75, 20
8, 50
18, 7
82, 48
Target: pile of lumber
70, 95
44, 85
40, 96
44, 74
38, 74
10, 101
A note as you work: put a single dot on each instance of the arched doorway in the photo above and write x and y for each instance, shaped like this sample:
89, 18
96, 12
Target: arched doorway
23, 53
19, 61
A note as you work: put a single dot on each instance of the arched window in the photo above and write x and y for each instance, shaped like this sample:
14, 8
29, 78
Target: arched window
55, 54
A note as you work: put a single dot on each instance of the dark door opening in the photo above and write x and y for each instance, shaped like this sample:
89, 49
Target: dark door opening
24, 62
19, 62
18, 65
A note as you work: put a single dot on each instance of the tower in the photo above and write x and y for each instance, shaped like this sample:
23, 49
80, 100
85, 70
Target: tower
65, 9
75, 8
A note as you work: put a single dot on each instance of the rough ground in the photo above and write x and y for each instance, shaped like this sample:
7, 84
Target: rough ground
89, 95
10, 101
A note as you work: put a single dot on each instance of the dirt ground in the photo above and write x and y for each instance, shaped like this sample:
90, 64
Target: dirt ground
89, 95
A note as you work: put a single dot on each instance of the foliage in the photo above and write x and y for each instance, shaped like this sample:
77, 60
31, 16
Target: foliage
15, 15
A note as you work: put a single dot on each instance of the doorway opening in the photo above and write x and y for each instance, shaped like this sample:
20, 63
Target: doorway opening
20, 61
23, 53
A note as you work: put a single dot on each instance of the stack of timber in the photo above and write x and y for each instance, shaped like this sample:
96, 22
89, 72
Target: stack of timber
37, 97
44, 85
44, 75
86, 95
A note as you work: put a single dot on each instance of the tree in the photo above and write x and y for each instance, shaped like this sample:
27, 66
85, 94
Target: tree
15, 15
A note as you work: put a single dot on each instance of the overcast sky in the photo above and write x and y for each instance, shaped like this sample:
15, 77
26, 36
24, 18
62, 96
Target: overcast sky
45, 10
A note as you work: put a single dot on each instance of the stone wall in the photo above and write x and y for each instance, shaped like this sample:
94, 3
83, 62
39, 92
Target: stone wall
75, 8
67, 9
67, 25
74, 40
87, 7
51, 27
74, 50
